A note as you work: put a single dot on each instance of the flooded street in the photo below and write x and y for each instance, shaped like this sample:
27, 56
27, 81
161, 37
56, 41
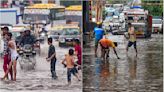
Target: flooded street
39, 80
143, 73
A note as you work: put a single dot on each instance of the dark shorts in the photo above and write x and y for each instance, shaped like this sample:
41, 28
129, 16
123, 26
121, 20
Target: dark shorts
71, 71
132, 43
96, 43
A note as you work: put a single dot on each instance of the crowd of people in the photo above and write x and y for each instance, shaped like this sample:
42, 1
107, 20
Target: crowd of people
10, 55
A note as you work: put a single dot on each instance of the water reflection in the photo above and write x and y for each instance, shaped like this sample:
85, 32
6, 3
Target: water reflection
97, 74
132, 66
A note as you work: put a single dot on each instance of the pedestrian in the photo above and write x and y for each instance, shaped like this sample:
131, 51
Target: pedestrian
14, 56
52, 58
132, 38
105, 47
78, 51
6, 53
98, 32
69, 62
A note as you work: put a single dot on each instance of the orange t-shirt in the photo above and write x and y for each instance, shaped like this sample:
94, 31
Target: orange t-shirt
107, 43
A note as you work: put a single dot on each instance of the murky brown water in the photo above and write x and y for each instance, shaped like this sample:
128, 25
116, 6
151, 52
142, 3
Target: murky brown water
143, 73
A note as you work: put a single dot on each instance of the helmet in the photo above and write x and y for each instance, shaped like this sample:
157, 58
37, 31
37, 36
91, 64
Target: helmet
98, 23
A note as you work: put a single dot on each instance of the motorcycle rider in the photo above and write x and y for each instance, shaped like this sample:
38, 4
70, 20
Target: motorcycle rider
19, 38
28, 38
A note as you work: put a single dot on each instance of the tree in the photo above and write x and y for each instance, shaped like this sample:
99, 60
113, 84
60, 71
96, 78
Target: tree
68, 3
155, 10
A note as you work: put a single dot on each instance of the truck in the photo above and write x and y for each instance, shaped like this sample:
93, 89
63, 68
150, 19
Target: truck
8, 16
141, 21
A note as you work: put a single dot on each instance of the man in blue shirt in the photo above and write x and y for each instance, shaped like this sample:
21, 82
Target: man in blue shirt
98, 32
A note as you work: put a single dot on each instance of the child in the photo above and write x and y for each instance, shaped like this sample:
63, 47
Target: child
69, 59
52, 57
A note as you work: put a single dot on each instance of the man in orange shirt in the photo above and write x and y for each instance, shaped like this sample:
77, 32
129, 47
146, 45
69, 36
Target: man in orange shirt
105, 44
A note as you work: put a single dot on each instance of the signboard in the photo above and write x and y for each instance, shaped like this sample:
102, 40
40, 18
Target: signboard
60, 14
36, 11
78, 13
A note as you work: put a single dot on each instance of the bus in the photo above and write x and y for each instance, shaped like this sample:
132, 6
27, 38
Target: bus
43, 13
74, 14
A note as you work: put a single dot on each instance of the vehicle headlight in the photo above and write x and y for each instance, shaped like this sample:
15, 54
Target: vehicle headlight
62, 40
42, 34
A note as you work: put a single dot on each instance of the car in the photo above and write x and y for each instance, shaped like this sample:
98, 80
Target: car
55, 34
157, 25
118, 32
68, 35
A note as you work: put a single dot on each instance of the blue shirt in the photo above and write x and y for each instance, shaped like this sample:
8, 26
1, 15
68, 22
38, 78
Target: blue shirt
99, 32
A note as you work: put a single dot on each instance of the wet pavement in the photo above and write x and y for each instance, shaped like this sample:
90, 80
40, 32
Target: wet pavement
39, 80
143, 73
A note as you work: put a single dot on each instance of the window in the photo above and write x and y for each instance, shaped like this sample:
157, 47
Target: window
71, 31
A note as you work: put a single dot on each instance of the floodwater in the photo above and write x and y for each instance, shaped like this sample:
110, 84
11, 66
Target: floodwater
39, 80
143, 73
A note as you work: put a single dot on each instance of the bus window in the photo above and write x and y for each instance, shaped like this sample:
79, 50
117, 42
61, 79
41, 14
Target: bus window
130, 18
57, 14
35, 17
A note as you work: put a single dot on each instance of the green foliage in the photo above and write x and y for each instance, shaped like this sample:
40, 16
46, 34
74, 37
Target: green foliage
154, 10
71, 2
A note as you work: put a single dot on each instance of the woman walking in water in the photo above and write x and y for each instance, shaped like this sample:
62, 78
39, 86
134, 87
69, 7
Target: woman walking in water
14, 56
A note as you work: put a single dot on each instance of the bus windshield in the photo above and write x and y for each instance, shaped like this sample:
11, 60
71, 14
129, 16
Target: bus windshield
157, 21
35, 17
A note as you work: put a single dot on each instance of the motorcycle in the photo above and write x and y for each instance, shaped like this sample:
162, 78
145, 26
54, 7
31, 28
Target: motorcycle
42, 36
37, 47
27, 57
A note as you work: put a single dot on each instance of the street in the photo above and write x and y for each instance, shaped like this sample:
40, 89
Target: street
143, 73
39, 80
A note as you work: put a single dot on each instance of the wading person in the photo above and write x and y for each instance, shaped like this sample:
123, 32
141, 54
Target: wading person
132, 38
98, 32
6, 52
70, 63
105, 47
52, 58
14, 56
